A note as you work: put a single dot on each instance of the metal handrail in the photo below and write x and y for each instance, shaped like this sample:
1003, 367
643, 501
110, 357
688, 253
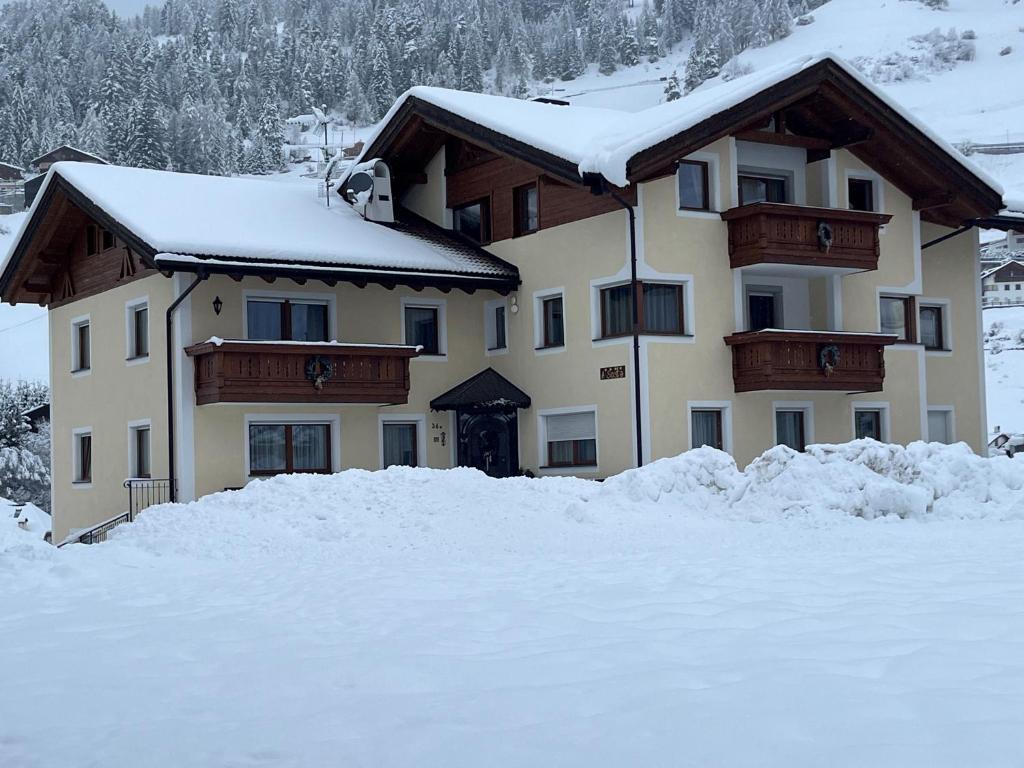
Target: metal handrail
143, 492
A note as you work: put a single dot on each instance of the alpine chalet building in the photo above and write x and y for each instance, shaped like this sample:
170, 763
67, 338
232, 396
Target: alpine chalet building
520, 287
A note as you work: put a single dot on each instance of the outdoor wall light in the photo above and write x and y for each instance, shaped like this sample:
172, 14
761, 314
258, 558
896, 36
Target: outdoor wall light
217, 305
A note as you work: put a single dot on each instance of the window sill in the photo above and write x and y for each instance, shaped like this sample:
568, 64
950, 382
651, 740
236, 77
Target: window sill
549, 350
439, 357
79, 372
137, 360
81, 484
569, 466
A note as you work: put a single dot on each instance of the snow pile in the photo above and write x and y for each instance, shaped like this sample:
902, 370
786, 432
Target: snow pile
463, 514
930, 53
863, 478
22, 528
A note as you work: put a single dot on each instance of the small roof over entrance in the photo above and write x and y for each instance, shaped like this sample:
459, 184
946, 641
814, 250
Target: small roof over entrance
487, 391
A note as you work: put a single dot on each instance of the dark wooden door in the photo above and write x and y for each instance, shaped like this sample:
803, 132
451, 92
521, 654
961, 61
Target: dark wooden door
489, 442
761, 310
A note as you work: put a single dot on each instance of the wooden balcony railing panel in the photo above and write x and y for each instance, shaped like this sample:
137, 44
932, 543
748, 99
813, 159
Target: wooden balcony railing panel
776, 359
278, 372
774, 233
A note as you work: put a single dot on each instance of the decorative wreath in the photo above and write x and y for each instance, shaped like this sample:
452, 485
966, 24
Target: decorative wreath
319, 370
824, 236
828, 358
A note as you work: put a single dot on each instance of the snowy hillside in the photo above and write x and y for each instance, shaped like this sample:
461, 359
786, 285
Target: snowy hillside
963, 100
441, 618
1004, 368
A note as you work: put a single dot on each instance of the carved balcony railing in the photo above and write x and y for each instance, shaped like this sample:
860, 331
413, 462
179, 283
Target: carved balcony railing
810, 360
300, 372
775, 233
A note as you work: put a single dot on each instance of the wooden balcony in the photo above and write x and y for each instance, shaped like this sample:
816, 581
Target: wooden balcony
296, 372
775, 359
774, 233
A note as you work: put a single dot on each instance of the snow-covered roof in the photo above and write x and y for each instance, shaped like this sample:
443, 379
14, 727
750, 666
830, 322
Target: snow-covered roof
604, 140
188, 218
45, 155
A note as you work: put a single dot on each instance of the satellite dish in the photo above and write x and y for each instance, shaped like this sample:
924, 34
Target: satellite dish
359, 183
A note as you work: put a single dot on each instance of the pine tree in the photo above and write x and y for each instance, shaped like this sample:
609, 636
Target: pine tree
146, 148
381, 92
91, 137
270, 134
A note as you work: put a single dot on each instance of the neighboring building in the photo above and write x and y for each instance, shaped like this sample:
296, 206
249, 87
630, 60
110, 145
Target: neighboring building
9, 172
534, 287
37, 416
1004, 285
63, 153
12, 182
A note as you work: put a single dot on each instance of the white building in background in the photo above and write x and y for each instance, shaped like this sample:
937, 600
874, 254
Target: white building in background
1004, 285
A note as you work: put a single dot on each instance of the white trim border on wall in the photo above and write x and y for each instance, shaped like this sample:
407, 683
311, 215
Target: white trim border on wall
419, 419
333, 419
725, 406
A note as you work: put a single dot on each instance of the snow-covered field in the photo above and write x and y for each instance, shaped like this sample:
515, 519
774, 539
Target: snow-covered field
683, 615
1004, 368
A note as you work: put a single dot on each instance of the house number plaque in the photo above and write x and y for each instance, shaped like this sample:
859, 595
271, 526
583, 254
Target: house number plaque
613, 372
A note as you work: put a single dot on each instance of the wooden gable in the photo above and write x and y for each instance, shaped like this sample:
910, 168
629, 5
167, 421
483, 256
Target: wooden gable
51, 265
1011, 272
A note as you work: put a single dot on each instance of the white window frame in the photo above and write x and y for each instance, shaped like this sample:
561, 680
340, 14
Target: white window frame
76, 433
130, 307
794, 405
441, 305
947, 331
419, 419
538, 321
133, 458
255, 294
725, 406
76, 323
491, 325
714, 162
334, 420
877, 189
542, 441
864, 405
689, 336
950, 412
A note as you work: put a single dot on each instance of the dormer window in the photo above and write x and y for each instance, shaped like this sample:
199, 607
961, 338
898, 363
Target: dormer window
473, 220
92, 246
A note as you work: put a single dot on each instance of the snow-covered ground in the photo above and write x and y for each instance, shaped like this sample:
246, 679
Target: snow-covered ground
1004, 368
684, 614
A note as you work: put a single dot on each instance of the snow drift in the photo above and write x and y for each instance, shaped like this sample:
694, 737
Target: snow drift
462, 513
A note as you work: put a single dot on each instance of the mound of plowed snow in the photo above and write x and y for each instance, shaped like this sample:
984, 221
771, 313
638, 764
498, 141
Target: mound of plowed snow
409, 512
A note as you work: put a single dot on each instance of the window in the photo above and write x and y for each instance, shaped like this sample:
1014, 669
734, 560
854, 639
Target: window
692, 178
763, 309
660, 309
940, 428
571, 439
860, 194
138, 331
867, 422
422, 328
897, 317
931, 327
107, 240
140, 453
83, 456
526, 212
706, 428
553, 322
473, 221
269, 319
790, 430
81, 347
91, 240
399, 443
495, 325
278, 448
762, 189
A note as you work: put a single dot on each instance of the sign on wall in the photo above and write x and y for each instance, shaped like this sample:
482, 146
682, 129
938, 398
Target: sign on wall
613, 372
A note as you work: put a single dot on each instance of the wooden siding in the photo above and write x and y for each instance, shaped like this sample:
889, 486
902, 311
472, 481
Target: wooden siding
494, 180
773, 233
767, 360
90, 275
244, 372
